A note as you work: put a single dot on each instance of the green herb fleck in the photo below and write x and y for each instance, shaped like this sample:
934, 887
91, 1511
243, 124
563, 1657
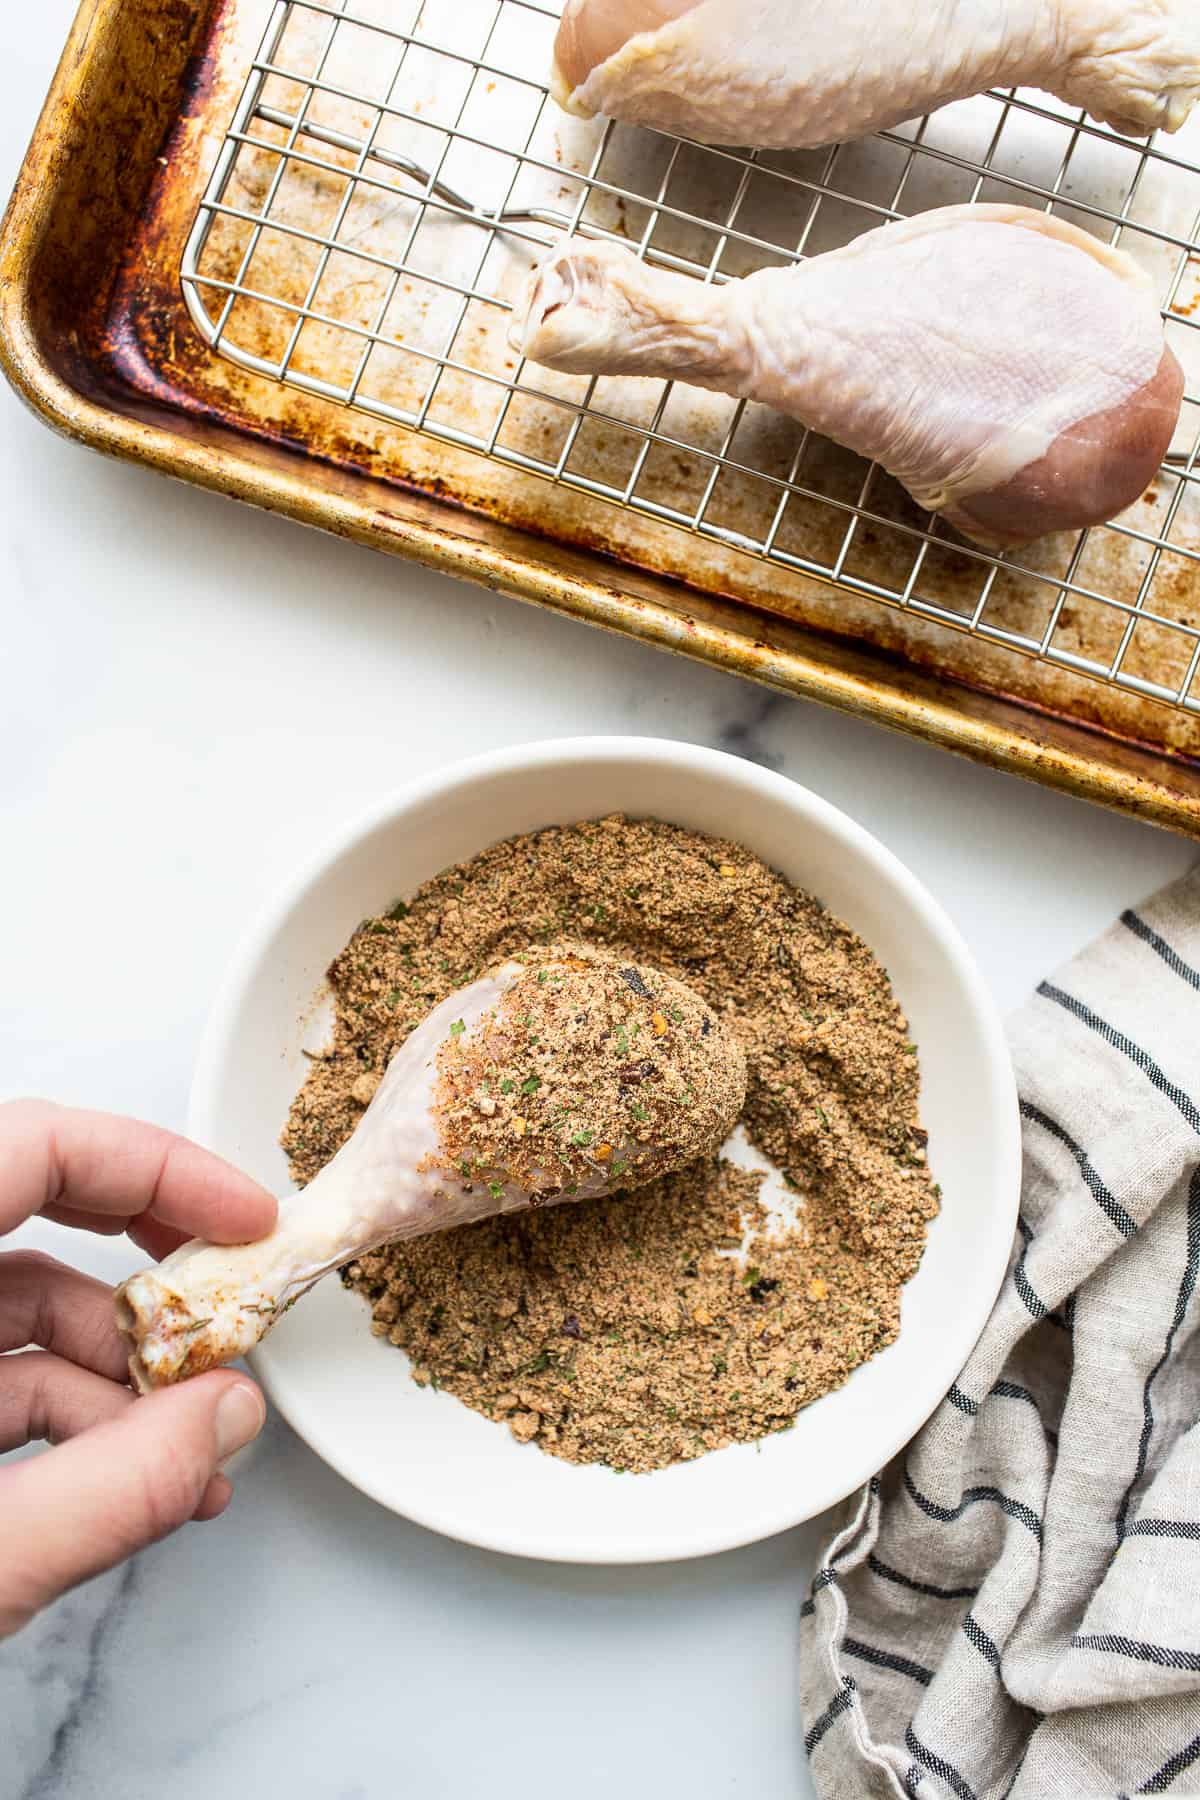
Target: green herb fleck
457, 1029
531, 1084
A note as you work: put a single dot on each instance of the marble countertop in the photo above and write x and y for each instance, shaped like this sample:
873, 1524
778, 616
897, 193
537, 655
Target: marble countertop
193, 693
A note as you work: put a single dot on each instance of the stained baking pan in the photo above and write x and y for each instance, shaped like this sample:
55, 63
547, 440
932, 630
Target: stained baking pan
271, 246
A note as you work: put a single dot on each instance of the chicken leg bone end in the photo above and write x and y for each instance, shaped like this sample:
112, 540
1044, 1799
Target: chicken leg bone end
1133, 64
208, 1303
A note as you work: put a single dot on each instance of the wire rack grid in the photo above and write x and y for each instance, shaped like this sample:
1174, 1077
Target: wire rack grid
391, 170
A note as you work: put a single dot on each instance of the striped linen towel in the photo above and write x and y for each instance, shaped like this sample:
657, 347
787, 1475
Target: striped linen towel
1012, 1608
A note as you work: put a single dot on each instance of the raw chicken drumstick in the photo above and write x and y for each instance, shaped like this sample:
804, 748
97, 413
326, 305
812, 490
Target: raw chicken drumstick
797, 73
1009, 369
561, 1077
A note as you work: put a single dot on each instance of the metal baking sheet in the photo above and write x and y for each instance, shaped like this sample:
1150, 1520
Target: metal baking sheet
338, 350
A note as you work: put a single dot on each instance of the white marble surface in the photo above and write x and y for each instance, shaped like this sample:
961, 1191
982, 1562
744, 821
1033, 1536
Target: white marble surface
192, 693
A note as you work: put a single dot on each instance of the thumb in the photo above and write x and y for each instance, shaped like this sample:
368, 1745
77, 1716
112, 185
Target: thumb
90, 1503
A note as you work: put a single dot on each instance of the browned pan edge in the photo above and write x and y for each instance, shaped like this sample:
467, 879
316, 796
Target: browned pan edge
109, 110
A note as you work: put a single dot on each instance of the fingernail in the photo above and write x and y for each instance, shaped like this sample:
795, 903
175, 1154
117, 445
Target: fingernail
240, 1416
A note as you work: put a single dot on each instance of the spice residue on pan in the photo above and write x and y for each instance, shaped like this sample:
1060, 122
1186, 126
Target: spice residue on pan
644, 1329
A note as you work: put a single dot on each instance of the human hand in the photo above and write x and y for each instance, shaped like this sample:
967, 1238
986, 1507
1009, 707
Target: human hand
131, 1471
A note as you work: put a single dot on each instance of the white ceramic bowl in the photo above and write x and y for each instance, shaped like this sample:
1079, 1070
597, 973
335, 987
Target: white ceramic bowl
422, 1453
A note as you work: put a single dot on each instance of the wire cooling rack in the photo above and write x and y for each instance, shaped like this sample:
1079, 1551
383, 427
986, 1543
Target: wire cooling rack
392, 169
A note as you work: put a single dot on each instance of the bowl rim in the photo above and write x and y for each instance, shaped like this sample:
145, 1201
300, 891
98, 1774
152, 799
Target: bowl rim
999, 1226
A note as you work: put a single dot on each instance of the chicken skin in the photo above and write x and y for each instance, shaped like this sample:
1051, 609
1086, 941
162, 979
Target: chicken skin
798, 73
1010, 370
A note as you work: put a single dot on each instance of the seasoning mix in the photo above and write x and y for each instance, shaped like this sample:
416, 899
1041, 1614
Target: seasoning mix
639, 1330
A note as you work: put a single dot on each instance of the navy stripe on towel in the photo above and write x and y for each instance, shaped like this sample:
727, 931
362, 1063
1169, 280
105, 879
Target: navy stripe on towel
937, 1765
1012, 1390
1163, 1656
887, 1573
1160, 1781
1187, 1287
886, 1659
1164, 1528
1127, 1047
834, 1710
1016, 1509
1109, 1205
1160, 946
1033, 1300
975, 1634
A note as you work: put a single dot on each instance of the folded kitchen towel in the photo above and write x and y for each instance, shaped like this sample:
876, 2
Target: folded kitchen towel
1012, 1608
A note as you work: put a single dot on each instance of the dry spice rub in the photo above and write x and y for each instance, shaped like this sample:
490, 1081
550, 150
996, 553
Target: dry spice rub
592, 1071
640, 1330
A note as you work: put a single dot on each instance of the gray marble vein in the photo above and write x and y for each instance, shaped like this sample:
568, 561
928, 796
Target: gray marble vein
313, 1644
47, 1675
745, 733
73, 1664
